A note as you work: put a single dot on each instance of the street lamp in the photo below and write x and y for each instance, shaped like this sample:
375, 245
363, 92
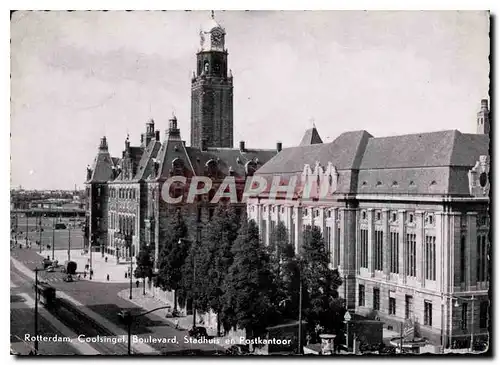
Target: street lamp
129, 318
347, 318
456, 305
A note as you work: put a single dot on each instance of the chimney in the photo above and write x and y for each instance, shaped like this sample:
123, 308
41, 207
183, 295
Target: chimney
203, 144
157, 135
242, 146
279, 146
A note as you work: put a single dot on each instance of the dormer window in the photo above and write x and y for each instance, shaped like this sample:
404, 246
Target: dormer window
379, 183
394, 217
379, 215
363, 215
394, 184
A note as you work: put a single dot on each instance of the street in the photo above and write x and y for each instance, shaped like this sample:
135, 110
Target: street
99, 298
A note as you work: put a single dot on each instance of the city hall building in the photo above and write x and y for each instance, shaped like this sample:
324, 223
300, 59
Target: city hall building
406, 223
125, 207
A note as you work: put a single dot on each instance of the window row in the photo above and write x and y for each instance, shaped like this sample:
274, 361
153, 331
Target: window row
122, 193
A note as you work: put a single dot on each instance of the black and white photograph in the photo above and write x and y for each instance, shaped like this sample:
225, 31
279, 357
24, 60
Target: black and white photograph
250, 182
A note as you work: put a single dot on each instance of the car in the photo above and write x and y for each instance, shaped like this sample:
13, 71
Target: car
198, 332
50, 269
68, 279
238, 350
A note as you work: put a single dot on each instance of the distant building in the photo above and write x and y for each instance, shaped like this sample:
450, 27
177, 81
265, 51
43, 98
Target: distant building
406, 222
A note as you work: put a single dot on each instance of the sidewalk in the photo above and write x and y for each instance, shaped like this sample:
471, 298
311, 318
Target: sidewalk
148, 302
100, 267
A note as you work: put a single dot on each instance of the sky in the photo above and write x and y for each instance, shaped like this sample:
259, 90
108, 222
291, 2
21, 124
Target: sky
76, 76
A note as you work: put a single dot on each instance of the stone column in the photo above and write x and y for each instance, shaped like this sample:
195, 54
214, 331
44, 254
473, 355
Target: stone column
471, 251
402, 246
386, 242
349, 239
443, 276
371, 241
298, 228
335, 244
420, 246
442, 238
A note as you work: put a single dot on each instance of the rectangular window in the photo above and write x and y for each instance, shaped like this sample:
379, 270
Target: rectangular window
430, 258
376, 299
394, 252
462, 259
392, 306
379, 250
361, 291
411, 255
337, 248
483, 315
264, 233
408, 306
427, 313
328, 239
210, 213
481, 258
464, 316
364, 247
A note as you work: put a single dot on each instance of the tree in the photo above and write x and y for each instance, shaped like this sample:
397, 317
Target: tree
281, 261
172, 255
321, 303
145, 262
249, 284
214, 259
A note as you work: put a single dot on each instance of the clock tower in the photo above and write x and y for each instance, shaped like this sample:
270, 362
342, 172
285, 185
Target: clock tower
212, 91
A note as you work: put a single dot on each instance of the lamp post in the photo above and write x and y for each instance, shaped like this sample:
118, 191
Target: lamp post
27, 218
53, 235
129, 318
69, 240
347, 318
472, 299
36, 310
40, 228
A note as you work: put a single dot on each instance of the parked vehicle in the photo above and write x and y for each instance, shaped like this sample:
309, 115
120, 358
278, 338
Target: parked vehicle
68, 279
198, 332
238, 350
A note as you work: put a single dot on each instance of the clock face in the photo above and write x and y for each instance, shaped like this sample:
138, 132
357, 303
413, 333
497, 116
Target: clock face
217, 38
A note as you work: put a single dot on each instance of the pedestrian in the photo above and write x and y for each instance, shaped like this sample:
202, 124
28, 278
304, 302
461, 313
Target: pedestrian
91, 272
126, 275
107, 277
79, 277
106, 259
85, 274
137, 283
176, 324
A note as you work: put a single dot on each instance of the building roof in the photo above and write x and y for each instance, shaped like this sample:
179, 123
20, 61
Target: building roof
102, 167
426, 163
345, 153
445, 148
311, 137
